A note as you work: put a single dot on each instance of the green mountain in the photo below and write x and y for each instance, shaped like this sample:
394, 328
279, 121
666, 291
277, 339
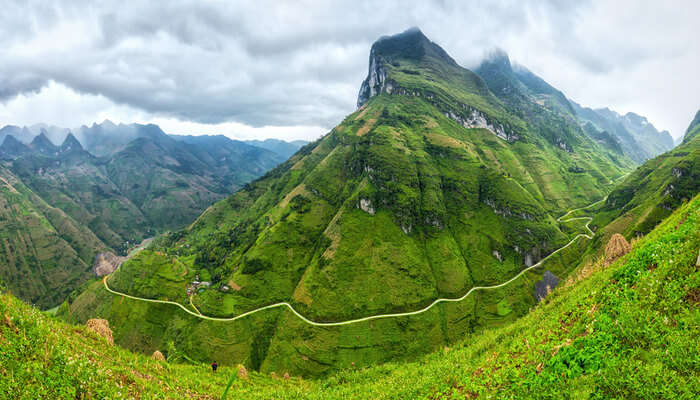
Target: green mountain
384, 214
544, 107
154, 183
44, 254
629, 330
12, 148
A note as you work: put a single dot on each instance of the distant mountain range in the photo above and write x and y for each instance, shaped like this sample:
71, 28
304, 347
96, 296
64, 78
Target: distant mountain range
107, 137
629, 134
142, 181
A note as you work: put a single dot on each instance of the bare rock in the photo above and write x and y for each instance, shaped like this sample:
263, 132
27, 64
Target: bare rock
544, 286
106, 263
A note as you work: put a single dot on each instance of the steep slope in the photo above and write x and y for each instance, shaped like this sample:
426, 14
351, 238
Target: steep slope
44, 253
693, 129
12, 148
108, 138
76, 182
24, 135
173, 181
234, 161
654, 141
383, 214
629, 330
153, 183
651, 192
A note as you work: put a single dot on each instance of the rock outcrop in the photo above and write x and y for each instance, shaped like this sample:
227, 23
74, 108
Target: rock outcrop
544, 286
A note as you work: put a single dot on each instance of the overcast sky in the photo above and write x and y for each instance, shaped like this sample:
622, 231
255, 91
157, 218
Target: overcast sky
292, 70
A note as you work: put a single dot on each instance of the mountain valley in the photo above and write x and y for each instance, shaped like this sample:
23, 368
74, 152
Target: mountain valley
384, 214
459, 226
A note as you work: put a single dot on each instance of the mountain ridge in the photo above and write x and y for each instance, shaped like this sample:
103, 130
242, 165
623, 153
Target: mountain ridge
380, 215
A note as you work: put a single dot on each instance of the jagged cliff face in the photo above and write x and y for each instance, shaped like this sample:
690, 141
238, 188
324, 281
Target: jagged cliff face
376, 80
389, 60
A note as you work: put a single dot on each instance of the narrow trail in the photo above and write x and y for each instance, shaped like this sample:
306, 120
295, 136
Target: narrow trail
589, 235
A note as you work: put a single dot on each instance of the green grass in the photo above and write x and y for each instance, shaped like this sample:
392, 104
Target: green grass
629, 330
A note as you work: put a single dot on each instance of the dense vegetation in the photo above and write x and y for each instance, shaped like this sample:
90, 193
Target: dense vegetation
629, 330
383, 214
44, 253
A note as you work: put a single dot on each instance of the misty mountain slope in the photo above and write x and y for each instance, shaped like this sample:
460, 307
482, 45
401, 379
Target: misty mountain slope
281, 147
24, 134
693, 129
383, 214
236, 161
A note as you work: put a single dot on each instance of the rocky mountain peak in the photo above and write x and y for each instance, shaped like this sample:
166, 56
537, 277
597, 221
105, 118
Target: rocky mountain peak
11, 147
71, 144
43, 145
411, 45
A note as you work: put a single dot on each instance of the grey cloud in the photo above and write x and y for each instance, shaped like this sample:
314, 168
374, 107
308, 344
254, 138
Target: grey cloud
285, 63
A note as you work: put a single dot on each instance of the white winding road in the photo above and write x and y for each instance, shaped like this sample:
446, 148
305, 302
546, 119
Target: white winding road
378, 316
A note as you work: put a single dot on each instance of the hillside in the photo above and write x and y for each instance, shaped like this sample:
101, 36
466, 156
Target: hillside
44, 253
629, 330
384, 214
285, 149
693, 129
152, 184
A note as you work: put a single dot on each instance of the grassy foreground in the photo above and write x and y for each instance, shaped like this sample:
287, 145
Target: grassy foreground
629, 331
